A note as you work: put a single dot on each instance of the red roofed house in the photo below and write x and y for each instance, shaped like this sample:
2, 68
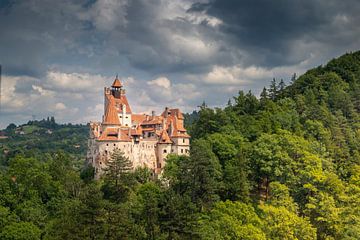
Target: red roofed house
145, 139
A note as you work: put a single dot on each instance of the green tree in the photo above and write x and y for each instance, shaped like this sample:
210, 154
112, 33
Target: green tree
118, 178
280, 223
203, 175
231, 220
20, 231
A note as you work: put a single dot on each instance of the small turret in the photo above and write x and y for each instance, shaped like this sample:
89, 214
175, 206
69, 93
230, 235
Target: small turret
116, 88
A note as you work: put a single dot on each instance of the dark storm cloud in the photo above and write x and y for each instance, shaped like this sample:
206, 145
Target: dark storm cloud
268, 30
147, 43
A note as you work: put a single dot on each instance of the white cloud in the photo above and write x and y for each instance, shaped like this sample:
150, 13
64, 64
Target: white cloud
162, 92
60, 106
238, 75
75, 81
12, 101
42, 91
160, 82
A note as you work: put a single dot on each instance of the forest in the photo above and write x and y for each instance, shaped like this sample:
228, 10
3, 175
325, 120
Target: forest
285, 165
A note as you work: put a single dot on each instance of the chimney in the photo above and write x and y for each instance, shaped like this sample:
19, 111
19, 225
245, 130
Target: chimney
153, 113
166, 112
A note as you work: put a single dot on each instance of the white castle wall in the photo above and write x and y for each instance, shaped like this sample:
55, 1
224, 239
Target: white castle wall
142, 154
162, 151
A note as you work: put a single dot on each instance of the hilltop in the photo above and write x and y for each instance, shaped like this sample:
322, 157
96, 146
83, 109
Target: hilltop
38, 138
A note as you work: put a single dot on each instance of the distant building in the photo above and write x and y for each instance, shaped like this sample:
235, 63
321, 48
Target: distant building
145, 139
3, 135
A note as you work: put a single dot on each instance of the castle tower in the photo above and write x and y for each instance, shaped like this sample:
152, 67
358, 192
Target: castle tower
116, 96
163, 148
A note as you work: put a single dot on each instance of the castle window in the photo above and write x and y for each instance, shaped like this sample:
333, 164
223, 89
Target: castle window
126, 117
107, 144
183, 140
165, 151
126, 124
105, 151
182, 150
114, 144
100, 163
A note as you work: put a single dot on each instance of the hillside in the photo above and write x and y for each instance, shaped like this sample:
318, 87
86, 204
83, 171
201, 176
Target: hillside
285, 166
38, 138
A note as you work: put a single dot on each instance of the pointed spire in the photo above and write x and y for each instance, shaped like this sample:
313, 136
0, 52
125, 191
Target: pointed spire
117, 83
164, 137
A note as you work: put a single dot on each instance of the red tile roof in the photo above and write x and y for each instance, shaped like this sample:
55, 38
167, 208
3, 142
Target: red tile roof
173, 112
117, 83
115, 134
138, 118
123, 100
111, 116
164, 137
153, 120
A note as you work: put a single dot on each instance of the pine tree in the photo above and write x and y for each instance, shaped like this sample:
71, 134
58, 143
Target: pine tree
282, 85
273, 89
117, 166
118, 180
293, 78
264, 94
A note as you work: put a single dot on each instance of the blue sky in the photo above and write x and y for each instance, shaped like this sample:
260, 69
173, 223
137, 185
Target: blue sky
58, 55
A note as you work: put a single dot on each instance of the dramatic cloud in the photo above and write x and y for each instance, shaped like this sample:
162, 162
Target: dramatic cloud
58, 55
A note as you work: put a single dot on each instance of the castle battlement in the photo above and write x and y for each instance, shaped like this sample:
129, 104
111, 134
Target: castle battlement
145, 139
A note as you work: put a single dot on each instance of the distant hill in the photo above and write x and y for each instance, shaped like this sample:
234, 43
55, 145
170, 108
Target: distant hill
37, 138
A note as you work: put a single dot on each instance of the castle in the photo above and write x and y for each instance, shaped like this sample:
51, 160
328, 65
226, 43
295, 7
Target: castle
145, 139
